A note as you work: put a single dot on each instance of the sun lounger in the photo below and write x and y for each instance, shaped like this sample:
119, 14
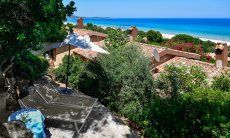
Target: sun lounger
76, 115
49, 94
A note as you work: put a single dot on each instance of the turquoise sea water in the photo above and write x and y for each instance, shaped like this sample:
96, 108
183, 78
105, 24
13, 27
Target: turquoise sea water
218, 29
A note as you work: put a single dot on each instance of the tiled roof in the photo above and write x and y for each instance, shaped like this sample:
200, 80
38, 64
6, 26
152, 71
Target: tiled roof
148, 51
88, 32
210, 69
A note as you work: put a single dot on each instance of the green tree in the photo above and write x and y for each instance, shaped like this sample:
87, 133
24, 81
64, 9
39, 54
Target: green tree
154, 36
30, 66
76, 67
121, 80
115, 39
27, 24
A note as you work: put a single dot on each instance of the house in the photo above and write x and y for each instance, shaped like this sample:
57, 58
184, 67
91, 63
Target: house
94, 36
57, 51
164, 54
211, 70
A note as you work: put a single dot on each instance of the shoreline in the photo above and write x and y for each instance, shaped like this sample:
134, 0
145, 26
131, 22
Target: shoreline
169, 36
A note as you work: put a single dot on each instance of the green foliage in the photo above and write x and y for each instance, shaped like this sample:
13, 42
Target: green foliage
92, 27
180, 79
30, 66
142, 34
222, 82
115, 39
186, 39
70, 26
121, 80
75, 69
154, 36
27, 24
203, 113
208, 46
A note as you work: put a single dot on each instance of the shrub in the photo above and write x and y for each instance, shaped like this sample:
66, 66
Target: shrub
203, 113
75, 69
154, 36
89, 26
115, 39
188, 47
186, 39
222, 82
121, 80
208, 46
142, 34
180, 79
30, 66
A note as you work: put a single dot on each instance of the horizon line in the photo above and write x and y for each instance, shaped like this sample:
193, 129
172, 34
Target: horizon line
154, 17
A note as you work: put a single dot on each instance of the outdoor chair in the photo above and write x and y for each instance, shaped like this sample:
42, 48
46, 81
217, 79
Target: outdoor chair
69, 112
51, 96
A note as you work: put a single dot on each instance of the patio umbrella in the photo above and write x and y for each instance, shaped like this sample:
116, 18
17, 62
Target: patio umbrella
79, 41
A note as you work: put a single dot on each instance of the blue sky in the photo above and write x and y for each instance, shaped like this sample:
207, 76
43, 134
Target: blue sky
153, 8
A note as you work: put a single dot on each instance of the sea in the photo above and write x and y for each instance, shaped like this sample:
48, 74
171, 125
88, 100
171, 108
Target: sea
213, 29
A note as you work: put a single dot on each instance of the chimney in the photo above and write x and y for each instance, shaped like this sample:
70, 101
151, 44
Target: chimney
80, 24
134, 32
221, 52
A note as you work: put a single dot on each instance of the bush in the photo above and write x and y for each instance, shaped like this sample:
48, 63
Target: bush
121, 80
154, 36
188, 47
70, 25
142, 34
89, 26
183, 38
203, 113
75, 69
116, 39
180, 79
208, 46
30, 66
222, 82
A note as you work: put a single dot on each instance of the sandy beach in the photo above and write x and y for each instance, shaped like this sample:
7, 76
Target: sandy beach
169, 36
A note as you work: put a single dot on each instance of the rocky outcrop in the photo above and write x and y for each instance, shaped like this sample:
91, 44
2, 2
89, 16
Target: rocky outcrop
15, 129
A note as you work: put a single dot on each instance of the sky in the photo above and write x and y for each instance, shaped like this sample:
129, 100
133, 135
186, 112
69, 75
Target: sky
153, 8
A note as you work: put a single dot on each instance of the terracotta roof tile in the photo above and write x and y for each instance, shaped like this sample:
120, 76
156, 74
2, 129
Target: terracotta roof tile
148, 51
88, 32
210, 69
